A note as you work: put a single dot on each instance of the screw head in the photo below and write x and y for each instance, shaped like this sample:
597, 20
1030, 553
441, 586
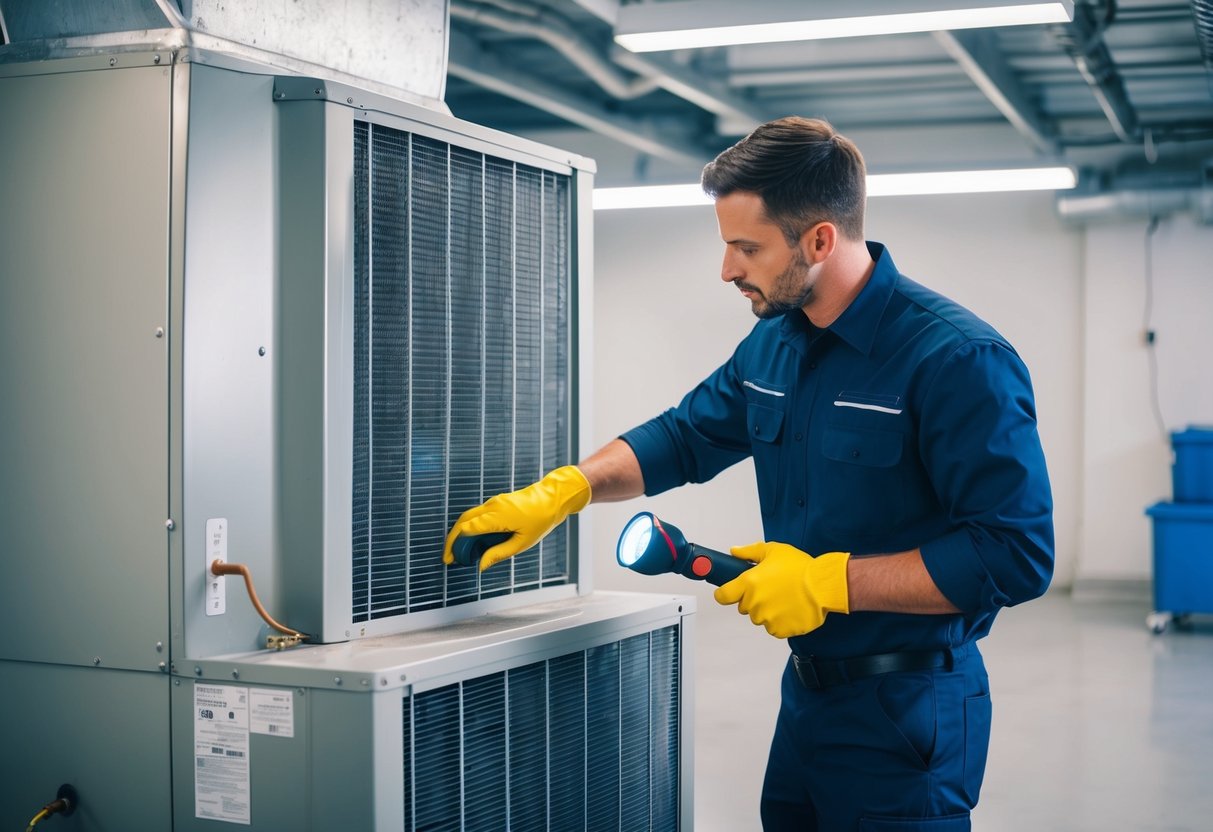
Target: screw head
113, 61
96, 660
197, 671
169, 524
260, 350
337, 680
235, 674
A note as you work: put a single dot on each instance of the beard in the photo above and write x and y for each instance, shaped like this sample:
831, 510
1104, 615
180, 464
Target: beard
791, 290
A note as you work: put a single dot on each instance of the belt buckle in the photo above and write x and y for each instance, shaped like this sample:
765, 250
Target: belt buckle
807, 671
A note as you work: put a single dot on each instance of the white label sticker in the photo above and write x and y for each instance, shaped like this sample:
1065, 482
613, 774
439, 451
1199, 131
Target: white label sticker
272, 711
216, 550
221, 746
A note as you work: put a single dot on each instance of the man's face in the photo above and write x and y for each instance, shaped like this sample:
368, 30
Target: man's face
758, 260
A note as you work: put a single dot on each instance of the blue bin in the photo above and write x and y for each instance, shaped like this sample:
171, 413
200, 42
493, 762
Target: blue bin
1192, 473
1183, 557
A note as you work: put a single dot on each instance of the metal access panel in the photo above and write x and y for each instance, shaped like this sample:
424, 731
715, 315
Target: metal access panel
85, 148
428, 354
104, 731
574, 714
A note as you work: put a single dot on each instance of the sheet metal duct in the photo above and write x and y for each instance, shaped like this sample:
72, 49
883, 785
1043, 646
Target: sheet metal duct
1137, 203
398, 46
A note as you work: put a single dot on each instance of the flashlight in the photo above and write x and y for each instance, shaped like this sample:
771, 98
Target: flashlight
651, 547
468, 548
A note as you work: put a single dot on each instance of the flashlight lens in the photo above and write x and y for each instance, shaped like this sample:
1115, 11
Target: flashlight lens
635, 539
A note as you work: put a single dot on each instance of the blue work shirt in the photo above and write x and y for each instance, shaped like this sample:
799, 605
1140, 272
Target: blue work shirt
907, 423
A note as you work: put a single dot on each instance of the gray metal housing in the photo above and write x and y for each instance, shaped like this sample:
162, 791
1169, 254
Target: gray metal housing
147, 226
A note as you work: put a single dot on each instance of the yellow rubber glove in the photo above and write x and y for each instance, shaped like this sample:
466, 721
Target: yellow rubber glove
530, 513
788, 592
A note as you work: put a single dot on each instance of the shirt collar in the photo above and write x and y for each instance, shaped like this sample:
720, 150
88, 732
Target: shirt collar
858, 323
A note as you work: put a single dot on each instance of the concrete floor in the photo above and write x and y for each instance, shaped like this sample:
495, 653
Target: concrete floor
1098, 724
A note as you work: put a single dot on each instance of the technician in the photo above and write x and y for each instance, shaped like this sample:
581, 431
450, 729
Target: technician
903, 490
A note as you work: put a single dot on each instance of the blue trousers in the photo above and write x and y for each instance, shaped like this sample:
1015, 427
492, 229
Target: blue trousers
896, 752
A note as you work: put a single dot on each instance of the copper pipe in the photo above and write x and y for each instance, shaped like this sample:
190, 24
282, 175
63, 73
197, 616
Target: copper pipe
218, 567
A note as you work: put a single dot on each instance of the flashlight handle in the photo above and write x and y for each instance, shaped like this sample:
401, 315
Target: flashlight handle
704, 564
469, 548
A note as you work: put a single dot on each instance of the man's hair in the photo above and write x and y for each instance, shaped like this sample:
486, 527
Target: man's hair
804, 172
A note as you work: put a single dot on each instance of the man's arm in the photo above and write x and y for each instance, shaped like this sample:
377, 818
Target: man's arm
894, 583
613, 473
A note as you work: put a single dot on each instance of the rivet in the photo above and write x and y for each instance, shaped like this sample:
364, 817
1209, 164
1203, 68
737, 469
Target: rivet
349, 100
279, 94
235, 674
337, 679
260, 350
96, 660
162, 665
177, 683
317, 91
383, 682
366, 682
113, 61
197, 671
159, 332
169, 524
155, 59
160, 647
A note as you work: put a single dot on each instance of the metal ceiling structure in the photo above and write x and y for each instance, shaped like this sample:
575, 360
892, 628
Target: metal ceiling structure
1124, 91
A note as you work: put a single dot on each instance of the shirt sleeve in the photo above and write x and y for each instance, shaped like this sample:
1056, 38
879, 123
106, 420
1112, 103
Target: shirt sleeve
699, 438
980, 444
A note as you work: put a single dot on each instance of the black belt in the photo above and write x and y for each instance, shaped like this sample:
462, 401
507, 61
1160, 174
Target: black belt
817, 673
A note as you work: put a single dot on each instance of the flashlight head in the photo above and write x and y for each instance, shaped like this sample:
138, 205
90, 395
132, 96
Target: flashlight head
649, 546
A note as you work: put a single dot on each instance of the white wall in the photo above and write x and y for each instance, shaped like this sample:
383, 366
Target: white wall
1127, 455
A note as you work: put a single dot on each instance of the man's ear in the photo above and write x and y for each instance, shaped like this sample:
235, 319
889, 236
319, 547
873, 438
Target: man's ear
818, 242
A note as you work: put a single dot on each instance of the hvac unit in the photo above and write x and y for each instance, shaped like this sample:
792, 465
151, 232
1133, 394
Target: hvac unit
266, 309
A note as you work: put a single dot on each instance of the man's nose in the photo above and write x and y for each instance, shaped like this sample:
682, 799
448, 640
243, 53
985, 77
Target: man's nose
729, 270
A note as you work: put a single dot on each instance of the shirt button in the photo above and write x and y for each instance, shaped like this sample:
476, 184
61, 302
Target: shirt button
855, 453
799, 436
800, 502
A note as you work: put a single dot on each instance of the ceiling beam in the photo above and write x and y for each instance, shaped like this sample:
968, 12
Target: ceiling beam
471, 62
692, 86
977, 53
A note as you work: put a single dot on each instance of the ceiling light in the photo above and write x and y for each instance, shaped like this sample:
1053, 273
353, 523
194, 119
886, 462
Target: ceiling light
650, 196
879, 184
652, 27
971, 181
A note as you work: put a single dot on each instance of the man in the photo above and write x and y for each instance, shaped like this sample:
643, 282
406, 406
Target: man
903, 491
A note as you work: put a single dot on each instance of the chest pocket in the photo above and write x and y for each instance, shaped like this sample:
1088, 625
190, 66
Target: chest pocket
765, 425
863, 490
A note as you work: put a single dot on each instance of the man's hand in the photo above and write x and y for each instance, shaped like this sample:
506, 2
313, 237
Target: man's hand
788, 592
529, 514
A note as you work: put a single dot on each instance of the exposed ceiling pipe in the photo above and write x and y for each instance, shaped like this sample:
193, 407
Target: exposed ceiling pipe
545, 25
1084, 43
1137, 203
1202, 11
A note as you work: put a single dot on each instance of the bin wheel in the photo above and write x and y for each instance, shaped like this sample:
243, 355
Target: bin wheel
1158, 621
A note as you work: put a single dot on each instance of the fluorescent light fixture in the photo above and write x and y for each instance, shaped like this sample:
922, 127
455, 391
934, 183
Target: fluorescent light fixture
653, 27
971, 181
650, 196
879, 184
